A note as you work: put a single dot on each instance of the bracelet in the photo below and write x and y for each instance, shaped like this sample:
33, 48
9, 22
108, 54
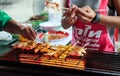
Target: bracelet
96, 19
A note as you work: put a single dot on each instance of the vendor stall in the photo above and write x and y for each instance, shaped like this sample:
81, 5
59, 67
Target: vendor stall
14, 62
51, 54
17, 60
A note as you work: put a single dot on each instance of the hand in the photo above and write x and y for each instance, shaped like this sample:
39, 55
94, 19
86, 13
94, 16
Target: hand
28, 32
69, 17
85, 14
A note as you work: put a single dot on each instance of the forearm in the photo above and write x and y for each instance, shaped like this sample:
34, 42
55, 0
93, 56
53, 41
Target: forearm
12, 27
112, 21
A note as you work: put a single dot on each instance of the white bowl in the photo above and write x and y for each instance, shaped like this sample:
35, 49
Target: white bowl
49, 25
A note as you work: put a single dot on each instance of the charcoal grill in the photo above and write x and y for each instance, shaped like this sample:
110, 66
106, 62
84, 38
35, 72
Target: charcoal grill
71, 63
94, 62
103, 60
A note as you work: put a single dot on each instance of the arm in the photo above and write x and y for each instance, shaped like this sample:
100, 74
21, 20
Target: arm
14, 27
112, 20
86, 14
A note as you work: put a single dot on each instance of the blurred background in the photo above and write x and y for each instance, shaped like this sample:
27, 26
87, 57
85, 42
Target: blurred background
20, 10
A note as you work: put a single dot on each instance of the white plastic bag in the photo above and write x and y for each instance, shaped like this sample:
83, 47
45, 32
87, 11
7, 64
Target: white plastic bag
5, 36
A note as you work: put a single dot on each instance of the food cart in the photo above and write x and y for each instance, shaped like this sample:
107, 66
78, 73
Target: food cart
95, 63
18, 62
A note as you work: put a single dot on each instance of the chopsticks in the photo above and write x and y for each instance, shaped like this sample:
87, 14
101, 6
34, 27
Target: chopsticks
64, 8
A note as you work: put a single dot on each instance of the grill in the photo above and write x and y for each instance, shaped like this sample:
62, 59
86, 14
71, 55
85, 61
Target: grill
105, 61
67, 63
108, 62
71, 63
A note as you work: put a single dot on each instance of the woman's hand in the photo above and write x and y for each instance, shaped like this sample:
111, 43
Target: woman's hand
28, 32
85, 14
69, 17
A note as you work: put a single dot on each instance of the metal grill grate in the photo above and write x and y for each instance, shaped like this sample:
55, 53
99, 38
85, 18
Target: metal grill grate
104, 61
71, 63
68, 63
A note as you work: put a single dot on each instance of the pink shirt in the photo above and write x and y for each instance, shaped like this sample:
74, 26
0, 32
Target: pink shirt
95, 34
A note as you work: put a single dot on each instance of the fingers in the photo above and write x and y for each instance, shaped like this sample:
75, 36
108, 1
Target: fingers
66, 12
70, 12
29, 33
81, 12
68, 21
69, 17
90, 12
72, 19
85, 14
33, 34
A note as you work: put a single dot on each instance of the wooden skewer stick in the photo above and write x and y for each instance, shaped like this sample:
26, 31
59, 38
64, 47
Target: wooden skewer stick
86, 45
64, 8
76, 43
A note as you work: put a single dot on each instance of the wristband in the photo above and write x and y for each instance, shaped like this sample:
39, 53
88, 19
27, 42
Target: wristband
96, 19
